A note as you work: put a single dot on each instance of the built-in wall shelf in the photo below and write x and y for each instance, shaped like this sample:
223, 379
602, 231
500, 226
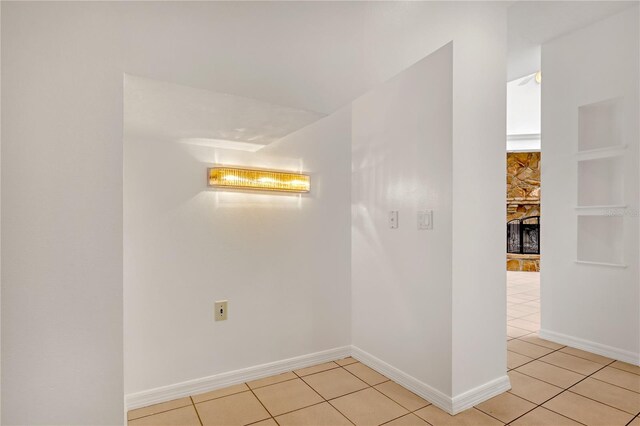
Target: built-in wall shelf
598, 153
608, 210
610, 265
600, 239
599, 125
601, 181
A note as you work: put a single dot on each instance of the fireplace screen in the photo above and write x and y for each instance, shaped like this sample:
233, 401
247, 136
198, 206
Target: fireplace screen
523, 235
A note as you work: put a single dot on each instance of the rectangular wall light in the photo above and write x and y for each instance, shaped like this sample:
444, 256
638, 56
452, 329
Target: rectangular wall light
255, 179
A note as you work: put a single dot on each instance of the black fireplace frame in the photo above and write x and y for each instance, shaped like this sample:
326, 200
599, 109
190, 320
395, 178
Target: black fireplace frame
523, 235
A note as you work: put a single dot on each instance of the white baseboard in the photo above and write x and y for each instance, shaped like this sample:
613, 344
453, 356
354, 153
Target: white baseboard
439, 399
593, 347
193, 387
218, 381
480, 394
423, 390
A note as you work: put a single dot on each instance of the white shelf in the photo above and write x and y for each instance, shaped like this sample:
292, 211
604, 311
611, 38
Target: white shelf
601, 182
598, 153
600, 239
599, 125
611, 265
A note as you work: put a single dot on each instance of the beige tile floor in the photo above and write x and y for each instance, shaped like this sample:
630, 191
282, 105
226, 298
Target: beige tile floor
551, 385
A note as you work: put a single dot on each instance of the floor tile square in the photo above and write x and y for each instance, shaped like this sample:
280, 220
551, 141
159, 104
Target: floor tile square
543, 417
620, 378
287, 396
185, 416
528, 349
333, 383
220, 393
268, 422
573, 363
317, 415
505, 407
523, 324
158, 408
603, 360
366, 374
254, 384
402, 396
408, 420
630, 368
316, 369
516, 332
532, 389
238, 409
551, 374
534, 318
606, 393
472, 417
368, 407
587, 411
346, 361
515, 360
533, 338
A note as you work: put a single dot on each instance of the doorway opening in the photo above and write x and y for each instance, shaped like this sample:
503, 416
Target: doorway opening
523, 208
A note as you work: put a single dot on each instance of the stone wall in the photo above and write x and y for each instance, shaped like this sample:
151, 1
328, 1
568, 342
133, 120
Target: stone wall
523, 199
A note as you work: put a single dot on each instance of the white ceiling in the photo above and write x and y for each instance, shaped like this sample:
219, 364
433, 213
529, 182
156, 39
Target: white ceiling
160, 110
308, 56
532, 23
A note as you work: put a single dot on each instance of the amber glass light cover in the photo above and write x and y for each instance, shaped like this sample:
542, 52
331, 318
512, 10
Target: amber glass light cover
255, 179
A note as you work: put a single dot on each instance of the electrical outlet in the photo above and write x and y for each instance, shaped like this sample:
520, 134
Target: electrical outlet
221, 310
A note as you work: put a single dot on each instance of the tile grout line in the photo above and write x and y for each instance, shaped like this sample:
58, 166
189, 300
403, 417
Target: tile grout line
263, 406
631, 421
196, 410
560, 393
564, 389
323, 398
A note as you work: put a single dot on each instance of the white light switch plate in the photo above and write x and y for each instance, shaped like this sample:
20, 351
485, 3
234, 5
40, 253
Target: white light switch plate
425, 219
393, 219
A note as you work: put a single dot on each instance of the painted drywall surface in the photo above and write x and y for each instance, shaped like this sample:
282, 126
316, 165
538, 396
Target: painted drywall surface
523, 107
61, 216
281, 260
479, 280
594, 303
166, 110
401, 278
446, 285
523, 114
62, 72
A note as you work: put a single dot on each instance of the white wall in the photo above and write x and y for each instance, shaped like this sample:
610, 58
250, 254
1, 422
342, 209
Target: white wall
594, 306
61, 216
445, 286
62, 72
282, 261
523, 107
401, 278
523, 114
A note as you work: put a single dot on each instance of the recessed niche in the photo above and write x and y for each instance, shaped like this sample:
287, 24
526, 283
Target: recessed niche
601, 182
600, 239
600, 125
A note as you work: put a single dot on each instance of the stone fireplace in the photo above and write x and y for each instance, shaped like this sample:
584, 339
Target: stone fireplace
523, 200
